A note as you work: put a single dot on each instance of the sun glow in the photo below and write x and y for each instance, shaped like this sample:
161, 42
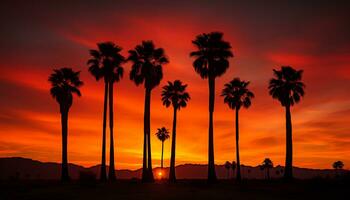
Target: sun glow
160, 174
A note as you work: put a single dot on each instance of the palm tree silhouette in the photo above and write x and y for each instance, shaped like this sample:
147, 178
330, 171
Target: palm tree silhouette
211, 61
174, 94
233, 166
338, 165
64, 83
236, 94
106, 63
267, 165
286, 87
147, 61
228, 167
162, 134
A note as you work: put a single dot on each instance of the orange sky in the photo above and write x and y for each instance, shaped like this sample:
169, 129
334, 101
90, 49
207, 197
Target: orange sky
38, 37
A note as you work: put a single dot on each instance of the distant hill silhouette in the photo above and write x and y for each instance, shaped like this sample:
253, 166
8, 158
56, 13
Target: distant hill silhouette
24, 168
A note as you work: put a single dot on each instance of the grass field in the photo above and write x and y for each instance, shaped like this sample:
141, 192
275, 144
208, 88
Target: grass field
184, 189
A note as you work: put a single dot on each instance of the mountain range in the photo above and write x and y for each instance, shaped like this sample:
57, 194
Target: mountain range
25, 168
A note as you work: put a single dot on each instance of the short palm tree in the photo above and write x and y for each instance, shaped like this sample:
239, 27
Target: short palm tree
233, 167
147, 62
162, 135
338, 165
267, 165
174, 94
211, 61
64, 83
228, 167
105, 62
287, 88
237, 95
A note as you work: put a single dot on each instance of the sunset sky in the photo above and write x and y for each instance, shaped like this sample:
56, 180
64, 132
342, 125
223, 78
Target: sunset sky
39, 36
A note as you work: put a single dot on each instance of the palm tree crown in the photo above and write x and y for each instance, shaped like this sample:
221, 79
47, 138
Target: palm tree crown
147, 64
338, 165
286, 86
236, 94
175, 94
106, 62
267, 163
162, 134
233, 165
212, 54
64, 83
227, 165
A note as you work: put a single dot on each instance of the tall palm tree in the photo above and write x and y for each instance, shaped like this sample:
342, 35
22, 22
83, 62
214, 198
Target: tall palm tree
267, 165
237, 95
147, 61
287, 88
106, 63
211, 61
227, 167
162, 135
64, 83
233, 167
174, 94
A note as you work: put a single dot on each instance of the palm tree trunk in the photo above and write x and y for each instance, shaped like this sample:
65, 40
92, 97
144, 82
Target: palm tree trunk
111, 174
288, 172
148, 177
64, 123
238, 170
144, 163
172, 176
145, 131
161, 164
103, 173
211, 162
150, 169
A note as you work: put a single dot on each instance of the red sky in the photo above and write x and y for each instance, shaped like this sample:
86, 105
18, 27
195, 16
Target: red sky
313, 36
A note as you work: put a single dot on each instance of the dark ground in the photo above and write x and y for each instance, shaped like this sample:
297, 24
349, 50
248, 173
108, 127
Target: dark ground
184, 189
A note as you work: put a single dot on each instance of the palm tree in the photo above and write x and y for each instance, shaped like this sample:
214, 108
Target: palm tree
267, 164
174, 94
287, 88
228, 167
106, 63
162, 134
211, 61
64, 83
236, 95
233, 166
147, 61
338, 165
